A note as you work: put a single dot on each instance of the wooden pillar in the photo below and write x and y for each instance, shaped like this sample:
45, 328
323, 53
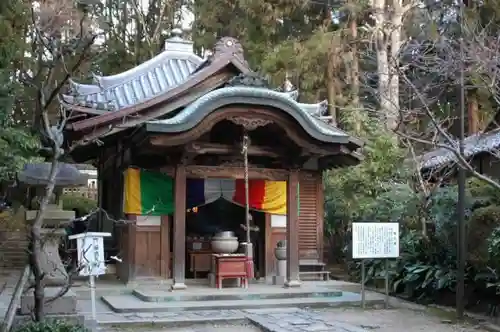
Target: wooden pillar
165, 247
131, 249
179, 238
100, 189
292, 230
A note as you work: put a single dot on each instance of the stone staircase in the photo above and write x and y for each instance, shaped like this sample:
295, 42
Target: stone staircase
13, 249
147, 300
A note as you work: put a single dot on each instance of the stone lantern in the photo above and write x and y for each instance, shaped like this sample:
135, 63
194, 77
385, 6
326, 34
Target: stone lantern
280, 255
35, 177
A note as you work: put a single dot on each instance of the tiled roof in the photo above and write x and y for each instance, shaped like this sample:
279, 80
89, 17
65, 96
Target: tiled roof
478, 143
162, 73
306, 114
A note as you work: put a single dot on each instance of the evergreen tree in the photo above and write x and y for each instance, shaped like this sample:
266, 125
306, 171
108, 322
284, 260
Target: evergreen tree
17, 144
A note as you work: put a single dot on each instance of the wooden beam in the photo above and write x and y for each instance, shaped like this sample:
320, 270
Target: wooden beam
214, 148
237, 172
219, 149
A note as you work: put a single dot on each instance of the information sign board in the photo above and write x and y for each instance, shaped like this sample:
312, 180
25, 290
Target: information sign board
375, 240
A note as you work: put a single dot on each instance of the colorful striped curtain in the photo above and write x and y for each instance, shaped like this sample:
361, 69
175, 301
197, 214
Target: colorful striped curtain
152, 193
266, 196
148, 193
204, 191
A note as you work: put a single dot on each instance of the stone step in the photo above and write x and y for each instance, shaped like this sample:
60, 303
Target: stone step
132, 304
232, 294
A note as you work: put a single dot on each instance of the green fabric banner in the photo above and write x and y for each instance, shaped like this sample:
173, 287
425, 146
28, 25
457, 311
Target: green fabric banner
148, 193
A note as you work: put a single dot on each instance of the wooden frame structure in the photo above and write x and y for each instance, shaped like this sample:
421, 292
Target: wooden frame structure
184, 116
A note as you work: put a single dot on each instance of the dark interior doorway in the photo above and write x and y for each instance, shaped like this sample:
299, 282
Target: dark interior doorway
221, 215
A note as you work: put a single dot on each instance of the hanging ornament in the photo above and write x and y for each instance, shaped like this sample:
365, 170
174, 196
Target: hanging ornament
244, 151
249, 247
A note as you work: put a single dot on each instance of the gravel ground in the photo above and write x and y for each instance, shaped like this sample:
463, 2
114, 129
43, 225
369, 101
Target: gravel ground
397, 320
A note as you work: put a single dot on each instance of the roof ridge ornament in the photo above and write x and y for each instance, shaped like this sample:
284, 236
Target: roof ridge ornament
177, 32
178, 44
253, 80
229, 45
287, 85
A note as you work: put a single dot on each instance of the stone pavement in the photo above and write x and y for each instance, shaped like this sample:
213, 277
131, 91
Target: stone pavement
269, 320
199, 328
171, 318
297, 320
397, 320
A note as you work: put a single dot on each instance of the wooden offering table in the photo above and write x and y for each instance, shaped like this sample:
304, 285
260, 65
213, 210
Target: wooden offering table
227, 266
199, 261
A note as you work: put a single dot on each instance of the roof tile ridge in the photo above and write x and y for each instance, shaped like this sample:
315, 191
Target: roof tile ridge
213, 67
160, 58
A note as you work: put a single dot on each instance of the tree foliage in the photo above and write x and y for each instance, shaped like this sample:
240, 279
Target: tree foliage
17, 144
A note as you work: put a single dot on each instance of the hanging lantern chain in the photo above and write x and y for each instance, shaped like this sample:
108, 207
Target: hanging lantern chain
244, 151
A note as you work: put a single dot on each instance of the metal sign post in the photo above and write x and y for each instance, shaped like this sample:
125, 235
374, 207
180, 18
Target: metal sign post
386, 283
90, 249
375, 240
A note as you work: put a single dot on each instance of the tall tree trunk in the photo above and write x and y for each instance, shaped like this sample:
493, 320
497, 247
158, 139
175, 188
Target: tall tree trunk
395, 42
36, 241
139, 29
472, 113
331, 89
354, 71
334, 86
382, 55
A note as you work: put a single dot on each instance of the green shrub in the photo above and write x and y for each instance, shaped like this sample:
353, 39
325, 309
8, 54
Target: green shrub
84, 205
51, 326
484, 235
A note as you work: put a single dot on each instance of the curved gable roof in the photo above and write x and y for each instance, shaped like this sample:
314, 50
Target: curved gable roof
194, 113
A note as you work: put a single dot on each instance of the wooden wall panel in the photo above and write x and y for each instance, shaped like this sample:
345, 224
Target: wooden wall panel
148, 251
145, 250
309, 220
320, 197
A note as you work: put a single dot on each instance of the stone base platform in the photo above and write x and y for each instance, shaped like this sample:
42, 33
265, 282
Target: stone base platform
147, 300
232, 294
64, 305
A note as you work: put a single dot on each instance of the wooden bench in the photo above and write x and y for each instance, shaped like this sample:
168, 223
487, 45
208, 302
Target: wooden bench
323, 275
